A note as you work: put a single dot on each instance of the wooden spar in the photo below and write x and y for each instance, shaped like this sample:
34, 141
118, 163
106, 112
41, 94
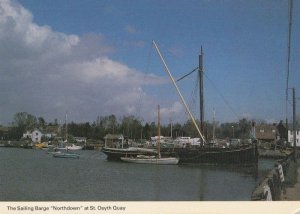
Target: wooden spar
178, 91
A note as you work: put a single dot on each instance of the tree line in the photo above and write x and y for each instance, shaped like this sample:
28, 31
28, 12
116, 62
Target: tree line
130, 126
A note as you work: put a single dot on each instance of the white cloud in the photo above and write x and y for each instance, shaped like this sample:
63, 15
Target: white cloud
47, 73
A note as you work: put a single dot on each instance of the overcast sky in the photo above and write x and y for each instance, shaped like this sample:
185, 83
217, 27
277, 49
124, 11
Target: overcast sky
95, 58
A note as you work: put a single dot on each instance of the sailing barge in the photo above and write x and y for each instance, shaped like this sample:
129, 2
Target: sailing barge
242, 155
246, 154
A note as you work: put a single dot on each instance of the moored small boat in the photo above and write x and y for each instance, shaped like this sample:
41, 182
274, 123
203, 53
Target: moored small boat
74, 147
151, 160
66, 155
54, 152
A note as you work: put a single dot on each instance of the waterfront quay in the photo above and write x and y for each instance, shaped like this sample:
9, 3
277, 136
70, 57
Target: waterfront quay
292, 193
282, 183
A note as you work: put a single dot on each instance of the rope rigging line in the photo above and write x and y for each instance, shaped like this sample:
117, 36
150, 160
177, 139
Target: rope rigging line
214, 86
195, 96
222, 96
187, 74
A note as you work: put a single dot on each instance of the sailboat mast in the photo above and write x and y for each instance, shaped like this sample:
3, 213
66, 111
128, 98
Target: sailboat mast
200, 71
158, 130
290, 13
214, 125
178, 91
66, 127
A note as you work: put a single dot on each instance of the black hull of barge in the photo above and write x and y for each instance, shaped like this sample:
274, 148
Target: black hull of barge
237, 156
247, 155
116, 154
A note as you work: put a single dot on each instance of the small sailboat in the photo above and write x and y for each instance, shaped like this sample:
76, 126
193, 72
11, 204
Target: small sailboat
74, 147
146, 159
66, 153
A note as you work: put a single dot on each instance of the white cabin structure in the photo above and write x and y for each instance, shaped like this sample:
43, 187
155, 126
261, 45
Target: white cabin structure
291, 137
35, 136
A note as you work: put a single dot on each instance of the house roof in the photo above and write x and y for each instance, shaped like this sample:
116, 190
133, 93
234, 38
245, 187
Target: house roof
266, 132
4, 129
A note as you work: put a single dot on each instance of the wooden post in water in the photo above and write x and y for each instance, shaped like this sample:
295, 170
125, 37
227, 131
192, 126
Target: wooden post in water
294, 123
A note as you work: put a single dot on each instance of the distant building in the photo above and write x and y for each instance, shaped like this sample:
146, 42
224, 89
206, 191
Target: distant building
266, 133
162, 140
291, 138
80, 139
282, 130
27, 135
4, 132
35, 136
114, 140
187, 141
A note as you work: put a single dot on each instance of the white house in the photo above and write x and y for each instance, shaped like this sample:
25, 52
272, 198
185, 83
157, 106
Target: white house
291, 137
27, 135
35, 136
162, 139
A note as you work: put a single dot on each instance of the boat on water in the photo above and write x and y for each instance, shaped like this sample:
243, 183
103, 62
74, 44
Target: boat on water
144, 159
42, 145
117, 153
147, 159
74, 147
205, 154
54, 152
242, 155
116, 147
65, 155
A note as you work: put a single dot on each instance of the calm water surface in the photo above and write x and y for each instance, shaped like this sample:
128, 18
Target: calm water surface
34, 175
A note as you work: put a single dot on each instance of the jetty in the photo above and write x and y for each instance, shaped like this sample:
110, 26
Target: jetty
282, 183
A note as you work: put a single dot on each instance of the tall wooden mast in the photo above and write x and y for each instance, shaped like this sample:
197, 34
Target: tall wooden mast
200, 71
178, 91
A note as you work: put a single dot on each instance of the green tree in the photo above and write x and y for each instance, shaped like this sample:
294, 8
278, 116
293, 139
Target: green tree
41, 123
22, 123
